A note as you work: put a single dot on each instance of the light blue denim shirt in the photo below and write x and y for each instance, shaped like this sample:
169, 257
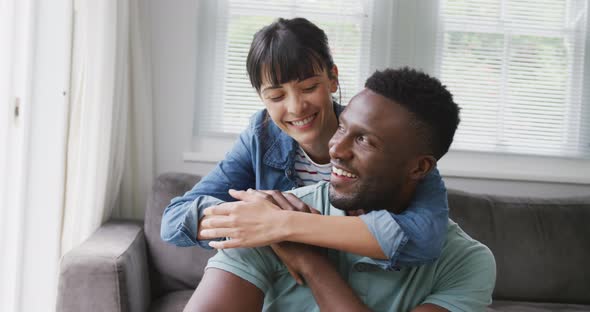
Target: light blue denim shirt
263, 158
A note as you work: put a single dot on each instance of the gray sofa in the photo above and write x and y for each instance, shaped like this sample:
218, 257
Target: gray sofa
542, 250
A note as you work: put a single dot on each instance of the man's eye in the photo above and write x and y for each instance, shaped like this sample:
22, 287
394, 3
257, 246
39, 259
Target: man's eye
362, 139
276, 98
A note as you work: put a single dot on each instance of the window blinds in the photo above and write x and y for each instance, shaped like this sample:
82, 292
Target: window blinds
347, 24
516, 68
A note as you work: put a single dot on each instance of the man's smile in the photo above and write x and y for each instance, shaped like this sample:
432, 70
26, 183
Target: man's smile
343, 173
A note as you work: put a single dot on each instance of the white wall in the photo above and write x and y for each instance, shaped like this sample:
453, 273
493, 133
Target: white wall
173, 55
174, 32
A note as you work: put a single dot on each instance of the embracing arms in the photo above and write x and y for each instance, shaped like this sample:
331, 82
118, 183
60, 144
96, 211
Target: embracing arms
259, 223
413, 237
182, 219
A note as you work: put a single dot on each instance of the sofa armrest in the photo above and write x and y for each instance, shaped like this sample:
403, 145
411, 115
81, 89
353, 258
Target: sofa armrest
108, 272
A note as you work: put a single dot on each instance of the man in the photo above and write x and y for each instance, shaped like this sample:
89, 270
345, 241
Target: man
390, 136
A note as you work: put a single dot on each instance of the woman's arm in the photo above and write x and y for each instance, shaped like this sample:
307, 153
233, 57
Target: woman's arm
181, 217
411, 238
424, 222
256, 220
349, 234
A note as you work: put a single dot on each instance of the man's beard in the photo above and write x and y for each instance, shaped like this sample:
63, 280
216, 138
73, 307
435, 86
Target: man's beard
368, 197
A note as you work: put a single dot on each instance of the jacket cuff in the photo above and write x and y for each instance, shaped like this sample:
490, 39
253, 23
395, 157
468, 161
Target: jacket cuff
389, 235
195, 213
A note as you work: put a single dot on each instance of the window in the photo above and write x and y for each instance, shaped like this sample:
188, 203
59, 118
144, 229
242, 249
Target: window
516, 68
520, 70
346, 22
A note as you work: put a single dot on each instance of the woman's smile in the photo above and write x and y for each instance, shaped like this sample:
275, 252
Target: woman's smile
303, 123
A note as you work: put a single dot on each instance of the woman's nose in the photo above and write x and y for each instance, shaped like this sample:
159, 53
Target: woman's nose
296, 105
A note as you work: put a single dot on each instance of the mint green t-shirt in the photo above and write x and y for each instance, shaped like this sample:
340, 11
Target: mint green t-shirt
462, 279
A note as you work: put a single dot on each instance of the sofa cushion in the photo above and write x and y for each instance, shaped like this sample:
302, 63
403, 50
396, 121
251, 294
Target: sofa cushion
541, 246
514, 306
171, 268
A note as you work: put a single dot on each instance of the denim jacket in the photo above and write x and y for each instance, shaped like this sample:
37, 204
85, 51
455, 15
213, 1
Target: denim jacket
263, 158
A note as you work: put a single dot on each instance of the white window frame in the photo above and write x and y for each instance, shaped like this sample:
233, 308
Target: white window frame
413, 45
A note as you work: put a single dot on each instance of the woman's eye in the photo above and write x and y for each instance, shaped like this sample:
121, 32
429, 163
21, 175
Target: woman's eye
340, 128
276, 98
311, 88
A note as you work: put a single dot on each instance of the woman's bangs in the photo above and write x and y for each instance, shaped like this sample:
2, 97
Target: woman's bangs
292, 63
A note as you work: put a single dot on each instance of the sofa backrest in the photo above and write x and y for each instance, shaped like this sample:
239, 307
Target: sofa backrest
541, 246
171, 268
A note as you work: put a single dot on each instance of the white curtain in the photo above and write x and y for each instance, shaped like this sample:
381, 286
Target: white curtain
68, 164
138, 173
110, 149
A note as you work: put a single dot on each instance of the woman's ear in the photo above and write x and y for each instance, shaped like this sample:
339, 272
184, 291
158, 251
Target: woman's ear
422, 166
334, 79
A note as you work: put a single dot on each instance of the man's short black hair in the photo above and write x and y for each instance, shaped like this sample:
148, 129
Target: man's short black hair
436, 114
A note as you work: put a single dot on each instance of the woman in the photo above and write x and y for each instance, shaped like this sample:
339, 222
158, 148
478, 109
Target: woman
286, 146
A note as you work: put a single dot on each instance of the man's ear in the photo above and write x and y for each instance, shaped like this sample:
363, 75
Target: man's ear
422, 165
334, 79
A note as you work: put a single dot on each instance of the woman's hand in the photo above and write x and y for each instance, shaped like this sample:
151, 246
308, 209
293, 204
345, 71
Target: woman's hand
249, 223
253, 221
256, 220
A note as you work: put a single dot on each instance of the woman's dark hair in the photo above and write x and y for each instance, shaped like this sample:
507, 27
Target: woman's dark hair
286, 50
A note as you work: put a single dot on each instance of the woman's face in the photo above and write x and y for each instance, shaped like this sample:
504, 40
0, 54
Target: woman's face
303, 109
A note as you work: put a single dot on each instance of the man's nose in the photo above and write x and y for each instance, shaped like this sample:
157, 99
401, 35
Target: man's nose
340, 147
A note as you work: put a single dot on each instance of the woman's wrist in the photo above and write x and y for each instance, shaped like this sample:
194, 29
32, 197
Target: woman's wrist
288, 225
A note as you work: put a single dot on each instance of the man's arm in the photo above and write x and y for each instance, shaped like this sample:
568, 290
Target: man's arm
330, 291
223, 291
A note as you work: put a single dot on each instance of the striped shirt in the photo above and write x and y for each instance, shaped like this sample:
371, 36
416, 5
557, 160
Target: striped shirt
308, 172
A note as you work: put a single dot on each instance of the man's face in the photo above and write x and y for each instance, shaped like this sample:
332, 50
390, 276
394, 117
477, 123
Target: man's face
371, 153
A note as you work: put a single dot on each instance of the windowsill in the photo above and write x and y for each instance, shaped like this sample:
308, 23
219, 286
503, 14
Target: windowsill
464, 164
515, 167
203, 157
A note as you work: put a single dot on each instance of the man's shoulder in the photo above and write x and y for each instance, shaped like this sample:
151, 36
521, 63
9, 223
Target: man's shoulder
310, 190
459, 241
463, 253
464, 275
315, 195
